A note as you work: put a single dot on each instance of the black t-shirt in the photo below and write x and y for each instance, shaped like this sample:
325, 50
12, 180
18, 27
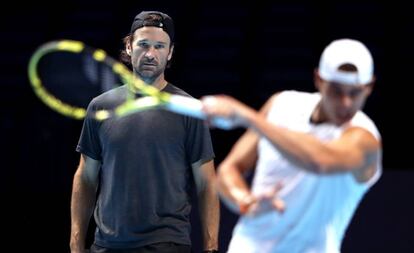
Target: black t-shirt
145, 174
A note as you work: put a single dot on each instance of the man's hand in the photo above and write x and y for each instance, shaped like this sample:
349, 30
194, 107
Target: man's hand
256, 205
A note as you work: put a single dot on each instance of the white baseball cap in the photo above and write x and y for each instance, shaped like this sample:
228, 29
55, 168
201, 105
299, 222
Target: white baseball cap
346, 51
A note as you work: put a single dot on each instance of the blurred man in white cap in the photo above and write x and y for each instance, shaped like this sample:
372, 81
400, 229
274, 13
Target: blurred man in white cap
316, 155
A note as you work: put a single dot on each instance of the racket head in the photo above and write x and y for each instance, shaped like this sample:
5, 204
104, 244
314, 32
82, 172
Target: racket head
66, 75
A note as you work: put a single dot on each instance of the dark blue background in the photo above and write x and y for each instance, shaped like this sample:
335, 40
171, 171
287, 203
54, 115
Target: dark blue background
248, 51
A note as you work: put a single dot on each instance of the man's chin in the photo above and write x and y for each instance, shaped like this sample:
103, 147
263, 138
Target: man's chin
147, 71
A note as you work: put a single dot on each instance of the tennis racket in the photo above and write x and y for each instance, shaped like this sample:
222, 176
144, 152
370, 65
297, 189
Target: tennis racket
67, 74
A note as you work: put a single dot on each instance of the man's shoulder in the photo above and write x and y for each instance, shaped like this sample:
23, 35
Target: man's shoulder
296, 93
111, 95
362, 120
294, 96
170, 88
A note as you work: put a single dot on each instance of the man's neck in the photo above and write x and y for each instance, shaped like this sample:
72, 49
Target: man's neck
158, 83
317, 116
161, 85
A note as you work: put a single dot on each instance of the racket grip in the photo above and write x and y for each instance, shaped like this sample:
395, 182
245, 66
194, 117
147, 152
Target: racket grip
194, 108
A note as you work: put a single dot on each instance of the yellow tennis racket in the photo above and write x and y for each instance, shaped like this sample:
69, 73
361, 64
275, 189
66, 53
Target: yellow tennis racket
67, 74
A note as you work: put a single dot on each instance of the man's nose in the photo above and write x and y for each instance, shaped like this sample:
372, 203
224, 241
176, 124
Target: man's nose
150, 53
346, 100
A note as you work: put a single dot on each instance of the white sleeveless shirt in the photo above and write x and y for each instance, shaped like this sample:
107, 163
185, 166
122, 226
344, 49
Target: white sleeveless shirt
318, 207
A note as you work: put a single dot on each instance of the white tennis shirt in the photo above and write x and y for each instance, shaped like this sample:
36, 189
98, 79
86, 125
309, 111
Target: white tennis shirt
318, 207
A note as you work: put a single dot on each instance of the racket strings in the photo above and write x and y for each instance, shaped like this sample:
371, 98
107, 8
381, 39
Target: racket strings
67, 74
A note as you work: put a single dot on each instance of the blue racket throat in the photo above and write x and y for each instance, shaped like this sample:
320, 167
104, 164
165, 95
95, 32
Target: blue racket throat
194, 108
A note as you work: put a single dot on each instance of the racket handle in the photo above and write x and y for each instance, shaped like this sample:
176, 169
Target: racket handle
194, 108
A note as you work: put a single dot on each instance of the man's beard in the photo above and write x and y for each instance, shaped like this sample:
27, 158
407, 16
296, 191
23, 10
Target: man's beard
148, 76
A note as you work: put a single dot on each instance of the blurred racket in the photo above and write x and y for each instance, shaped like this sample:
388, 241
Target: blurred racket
67, 74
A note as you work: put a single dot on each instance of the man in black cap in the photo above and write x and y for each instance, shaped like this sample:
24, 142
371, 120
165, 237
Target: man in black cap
135, 171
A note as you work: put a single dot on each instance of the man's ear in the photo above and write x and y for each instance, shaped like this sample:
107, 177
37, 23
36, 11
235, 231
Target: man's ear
170, 53
371, 85
128, 49
317, 80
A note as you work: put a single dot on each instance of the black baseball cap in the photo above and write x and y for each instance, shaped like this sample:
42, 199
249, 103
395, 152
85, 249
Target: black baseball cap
142, 19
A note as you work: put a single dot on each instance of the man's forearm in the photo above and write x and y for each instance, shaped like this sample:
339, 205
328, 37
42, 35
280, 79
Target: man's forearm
209, 206
82, 204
